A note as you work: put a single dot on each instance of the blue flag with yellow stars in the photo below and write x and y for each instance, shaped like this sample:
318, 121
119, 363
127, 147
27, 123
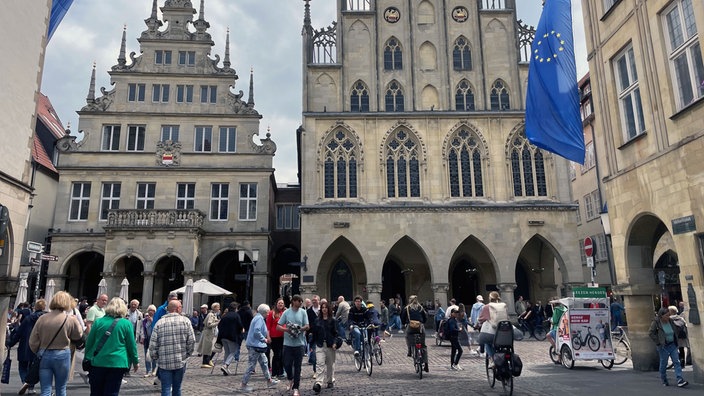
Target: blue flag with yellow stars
553, 120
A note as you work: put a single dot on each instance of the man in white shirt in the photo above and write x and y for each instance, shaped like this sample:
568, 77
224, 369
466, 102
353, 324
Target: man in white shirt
134, 315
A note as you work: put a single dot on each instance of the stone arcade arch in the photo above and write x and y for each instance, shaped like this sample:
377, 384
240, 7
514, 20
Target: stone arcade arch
83, 273
471, 272
342, 255
168, 275
227, 272
407, 258
132, 268
536, 269
281, 265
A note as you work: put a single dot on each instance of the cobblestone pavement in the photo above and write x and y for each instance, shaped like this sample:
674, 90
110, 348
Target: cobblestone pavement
397, 377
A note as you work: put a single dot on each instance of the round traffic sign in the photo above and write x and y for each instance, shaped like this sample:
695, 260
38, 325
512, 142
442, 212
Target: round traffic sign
588, 247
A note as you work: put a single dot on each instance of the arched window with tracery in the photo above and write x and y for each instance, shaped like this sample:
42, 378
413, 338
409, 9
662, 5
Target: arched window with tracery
465, 165
393, 55
340, 165
359, 98
527, 168
394, 97
402, 154
462, 55
464, 96
500, 98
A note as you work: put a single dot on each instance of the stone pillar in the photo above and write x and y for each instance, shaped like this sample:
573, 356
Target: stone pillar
639, 313
374, 293
148, 289
506, 291
260, 288
440, 293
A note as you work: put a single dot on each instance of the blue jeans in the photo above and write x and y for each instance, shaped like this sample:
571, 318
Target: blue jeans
232, 351
356, 338
341, 330
395, 321
55, 366
255, 357
292, 364
147, 359
669, 351
106, 381
171, 381
23, 368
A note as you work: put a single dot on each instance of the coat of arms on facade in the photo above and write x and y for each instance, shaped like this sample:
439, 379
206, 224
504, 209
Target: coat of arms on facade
168, 153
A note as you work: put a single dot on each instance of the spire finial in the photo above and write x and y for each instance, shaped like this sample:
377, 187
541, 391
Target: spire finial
91, 88
306, 14
121, 59
154, 8
250, 101
201, 13
226, 61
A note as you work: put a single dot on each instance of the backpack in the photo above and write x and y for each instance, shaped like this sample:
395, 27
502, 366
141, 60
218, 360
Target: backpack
680, 328
501, 366
446, 328
516, 365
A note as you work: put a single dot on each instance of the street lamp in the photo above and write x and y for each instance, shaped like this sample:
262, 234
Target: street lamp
252, 263
606, 225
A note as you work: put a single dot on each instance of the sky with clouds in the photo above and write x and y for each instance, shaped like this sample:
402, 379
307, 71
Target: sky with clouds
264, 35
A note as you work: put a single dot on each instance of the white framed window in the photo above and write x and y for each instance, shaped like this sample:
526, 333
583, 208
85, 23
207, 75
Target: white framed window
629, 94
187, 58
169, 132
287, 217
227, 139
600, 241
248, 201
111, 138
185, 195
136, 92
184, 93
109, 199
162, 57
146, 193
80, 201
588, 207
160, 93
608, 4
219, 200
589, 159
684, 52
203, 139
135, 137
208, 93
596, 201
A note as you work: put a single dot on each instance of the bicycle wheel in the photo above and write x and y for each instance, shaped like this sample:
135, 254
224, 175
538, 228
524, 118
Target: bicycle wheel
539, 333
489, 372
554, 356
622, 352
607, 364
368, 359
566, 355
593, 342
378, 354
358, 362
507, 383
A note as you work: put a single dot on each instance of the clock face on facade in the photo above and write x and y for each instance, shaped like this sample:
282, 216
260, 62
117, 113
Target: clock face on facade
460, 14
392, 15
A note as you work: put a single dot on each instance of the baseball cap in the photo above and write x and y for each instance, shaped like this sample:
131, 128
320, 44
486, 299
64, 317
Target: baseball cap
480, 298
204, 306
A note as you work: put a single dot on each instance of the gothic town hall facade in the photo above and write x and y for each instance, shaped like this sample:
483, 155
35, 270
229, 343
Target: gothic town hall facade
416, 176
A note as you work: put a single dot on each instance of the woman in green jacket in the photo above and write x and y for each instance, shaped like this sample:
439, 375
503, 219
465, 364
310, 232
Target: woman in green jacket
118, 353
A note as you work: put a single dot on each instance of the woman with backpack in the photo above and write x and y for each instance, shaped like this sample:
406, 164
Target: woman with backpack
682, 336
489, 318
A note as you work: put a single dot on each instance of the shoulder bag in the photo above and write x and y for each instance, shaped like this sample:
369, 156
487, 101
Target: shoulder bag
32, 376
413, 324
87, 363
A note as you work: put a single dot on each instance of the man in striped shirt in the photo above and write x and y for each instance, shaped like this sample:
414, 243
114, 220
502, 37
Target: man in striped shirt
171, 344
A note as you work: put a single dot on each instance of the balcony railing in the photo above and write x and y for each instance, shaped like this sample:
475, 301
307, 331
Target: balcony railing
155, 218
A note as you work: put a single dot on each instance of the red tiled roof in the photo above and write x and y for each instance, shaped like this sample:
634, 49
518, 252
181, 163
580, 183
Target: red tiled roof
40, 155
46, 113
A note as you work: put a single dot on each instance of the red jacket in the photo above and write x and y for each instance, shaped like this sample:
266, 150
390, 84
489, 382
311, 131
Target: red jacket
272, 319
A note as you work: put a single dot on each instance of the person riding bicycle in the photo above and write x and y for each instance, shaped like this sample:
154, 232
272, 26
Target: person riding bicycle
558, 310
526, 318
359, 317
374, 319
489, 317
414, 312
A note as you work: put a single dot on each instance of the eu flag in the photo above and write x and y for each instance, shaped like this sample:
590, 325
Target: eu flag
553, 121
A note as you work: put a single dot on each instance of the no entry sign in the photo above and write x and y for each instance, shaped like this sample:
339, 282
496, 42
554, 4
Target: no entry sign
588, 247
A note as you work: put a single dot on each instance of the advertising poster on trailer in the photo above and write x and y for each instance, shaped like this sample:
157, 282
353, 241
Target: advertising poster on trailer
589, 334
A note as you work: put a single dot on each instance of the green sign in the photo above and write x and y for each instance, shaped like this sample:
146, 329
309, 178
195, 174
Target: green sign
589, 292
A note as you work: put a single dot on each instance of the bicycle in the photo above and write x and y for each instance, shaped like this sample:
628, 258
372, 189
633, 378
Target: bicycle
589, 339
418, 358
503, 345
538, 332
621, 345
364, 358
375, 346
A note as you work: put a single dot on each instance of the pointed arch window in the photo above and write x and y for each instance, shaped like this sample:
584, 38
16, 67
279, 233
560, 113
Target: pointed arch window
359, 98
499, 97
402, 153
464, 96
462, 55
527, 169
465, 165
394, 97
393, 55
340, 165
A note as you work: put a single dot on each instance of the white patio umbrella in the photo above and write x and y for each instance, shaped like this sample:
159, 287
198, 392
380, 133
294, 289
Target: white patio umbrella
21, 293
188, 298
203, 286
49, 292
102, 287
124, 290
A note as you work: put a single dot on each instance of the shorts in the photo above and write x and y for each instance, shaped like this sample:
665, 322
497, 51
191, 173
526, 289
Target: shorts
553, 334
